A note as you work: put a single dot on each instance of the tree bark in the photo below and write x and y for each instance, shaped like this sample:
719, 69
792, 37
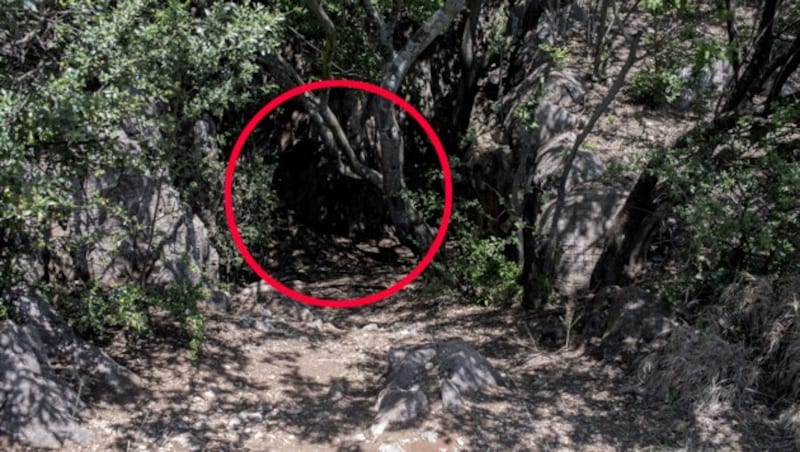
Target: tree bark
602, 31
753, 73
554, 236
409, 222
470, 66
793, 61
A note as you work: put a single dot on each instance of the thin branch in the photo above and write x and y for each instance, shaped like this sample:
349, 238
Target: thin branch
555, 238
384, 30
358, 166
394, 16
330, 43
326, 122
313, 47
419, 41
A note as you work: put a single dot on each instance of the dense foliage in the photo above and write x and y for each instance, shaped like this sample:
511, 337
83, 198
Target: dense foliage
79, 79
68, 92
738, 196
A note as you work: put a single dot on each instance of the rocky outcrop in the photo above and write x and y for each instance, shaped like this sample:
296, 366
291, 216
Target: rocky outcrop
629, 320
453, 366
711, 79
36, 406
131, 226
584, 223
60, 343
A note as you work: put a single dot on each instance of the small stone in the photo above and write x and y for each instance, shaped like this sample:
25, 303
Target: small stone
264, 325
252, 417
336, 391
358, 437
430, 436
315, 324
370, 327
378, 428
234, 422
393, 447
220, 301
306, 315
186, 441
293, 410
246, 322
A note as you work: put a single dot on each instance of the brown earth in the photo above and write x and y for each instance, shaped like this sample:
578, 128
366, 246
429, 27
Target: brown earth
306, 379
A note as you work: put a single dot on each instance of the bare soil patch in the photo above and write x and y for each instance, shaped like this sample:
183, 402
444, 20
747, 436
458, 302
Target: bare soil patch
308, 379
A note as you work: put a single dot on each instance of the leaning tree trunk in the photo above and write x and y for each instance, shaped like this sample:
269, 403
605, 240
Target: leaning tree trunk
541, 253
409, 223
411, 226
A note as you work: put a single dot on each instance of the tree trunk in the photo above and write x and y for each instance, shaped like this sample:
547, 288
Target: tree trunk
535, 283
470, 66
753, 73
409, 223
544, 258
600, 36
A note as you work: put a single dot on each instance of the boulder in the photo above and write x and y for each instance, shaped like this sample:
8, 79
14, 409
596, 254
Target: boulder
60, 343
635, 318
219, 301
587, 215
454, 366
36, 406
697, 83
586, 167
132, 226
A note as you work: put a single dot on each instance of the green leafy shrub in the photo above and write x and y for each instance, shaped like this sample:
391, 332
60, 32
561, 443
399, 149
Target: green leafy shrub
256, 202
4, 310
122, 308
558, 55
485, 273
471, 265
656, 87
128, 308
476, 267
740, 207
181, 302
158, 65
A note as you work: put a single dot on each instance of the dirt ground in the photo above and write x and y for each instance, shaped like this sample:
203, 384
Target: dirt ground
275, 375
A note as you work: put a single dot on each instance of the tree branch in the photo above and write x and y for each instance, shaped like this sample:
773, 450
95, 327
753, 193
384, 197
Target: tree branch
330, 35
419, 41
384, 30
555, 233
333, 136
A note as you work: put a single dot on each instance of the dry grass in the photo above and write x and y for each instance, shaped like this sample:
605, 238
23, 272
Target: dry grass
765, 315
699, 372
790, 421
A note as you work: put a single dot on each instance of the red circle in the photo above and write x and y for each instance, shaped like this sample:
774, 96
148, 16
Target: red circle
373, 89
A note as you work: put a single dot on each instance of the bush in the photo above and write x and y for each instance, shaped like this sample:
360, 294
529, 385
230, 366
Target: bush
654, 87
738, 199
256, 203
101, 313
473, 265
155, 66
476, 267
485, 273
